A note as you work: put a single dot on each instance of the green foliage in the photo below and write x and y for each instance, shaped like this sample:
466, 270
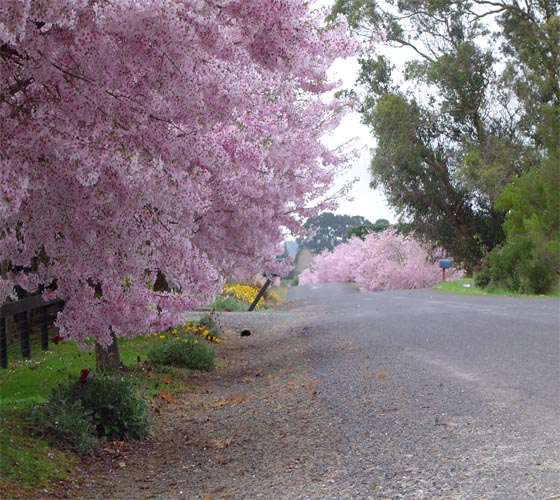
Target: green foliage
183, 355
517, 267
329, 230
183, 351
90, 408
459, 127
529, 259
362, 230
228, 304
65, 422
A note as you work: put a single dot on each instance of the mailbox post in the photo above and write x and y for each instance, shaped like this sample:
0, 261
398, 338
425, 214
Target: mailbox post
259, 295
444, 264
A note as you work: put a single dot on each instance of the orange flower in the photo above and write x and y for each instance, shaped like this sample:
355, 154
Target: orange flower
166, 380
149, 372
166, 397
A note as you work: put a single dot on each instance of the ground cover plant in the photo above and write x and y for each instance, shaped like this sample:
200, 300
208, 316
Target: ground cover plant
92, 407
186, 346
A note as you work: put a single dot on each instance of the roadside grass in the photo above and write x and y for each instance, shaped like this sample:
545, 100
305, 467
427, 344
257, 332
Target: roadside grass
466, 286
28, 463
29, 381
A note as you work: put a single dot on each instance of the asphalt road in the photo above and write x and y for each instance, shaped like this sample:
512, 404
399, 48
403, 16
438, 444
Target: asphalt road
431, 395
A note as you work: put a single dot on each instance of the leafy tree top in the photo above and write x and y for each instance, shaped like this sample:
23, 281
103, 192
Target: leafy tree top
465, 116
328, 230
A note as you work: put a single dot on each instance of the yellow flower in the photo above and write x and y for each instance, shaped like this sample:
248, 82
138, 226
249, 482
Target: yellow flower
243, 293
162, 336
195, 342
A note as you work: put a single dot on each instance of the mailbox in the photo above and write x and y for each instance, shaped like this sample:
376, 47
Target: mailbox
445, 263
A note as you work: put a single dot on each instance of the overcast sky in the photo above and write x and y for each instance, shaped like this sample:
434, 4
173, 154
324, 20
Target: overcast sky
367, 202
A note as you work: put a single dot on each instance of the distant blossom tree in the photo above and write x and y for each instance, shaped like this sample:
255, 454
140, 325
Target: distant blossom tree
381, 261
155, 138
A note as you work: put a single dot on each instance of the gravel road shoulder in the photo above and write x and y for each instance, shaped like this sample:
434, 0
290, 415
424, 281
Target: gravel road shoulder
321, 403
252, 428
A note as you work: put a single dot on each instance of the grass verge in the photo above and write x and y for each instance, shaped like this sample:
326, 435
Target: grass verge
466, 286
29, 464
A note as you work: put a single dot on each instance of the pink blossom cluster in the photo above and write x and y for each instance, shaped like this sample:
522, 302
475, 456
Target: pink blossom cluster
140, 136
382, 261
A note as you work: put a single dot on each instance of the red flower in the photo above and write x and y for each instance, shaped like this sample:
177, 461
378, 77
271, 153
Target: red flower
56, 339
83, 377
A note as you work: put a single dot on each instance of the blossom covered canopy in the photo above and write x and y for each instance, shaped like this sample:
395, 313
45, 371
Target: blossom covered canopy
381, 261
157, 135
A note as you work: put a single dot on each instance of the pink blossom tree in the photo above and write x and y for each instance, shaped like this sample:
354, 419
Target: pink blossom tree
382, 261
157, 137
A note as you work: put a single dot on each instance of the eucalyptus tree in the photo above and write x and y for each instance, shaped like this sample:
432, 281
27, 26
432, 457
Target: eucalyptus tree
462, 118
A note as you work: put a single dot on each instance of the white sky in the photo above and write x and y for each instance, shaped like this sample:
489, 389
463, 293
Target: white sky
367, 202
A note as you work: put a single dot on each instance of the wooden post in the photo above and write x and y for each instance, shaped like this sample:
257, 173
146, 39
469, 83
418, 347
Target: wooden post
3, 344
259, 295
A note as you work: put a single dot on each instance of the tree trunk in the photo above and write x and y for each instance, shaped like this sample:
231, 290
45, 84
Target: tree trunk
107, 359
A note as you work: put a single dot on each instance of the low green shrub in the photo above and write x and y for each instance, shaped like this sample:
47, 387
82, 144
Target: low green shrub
183, 351
228, 304
66, 422
82, 411
516, 266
